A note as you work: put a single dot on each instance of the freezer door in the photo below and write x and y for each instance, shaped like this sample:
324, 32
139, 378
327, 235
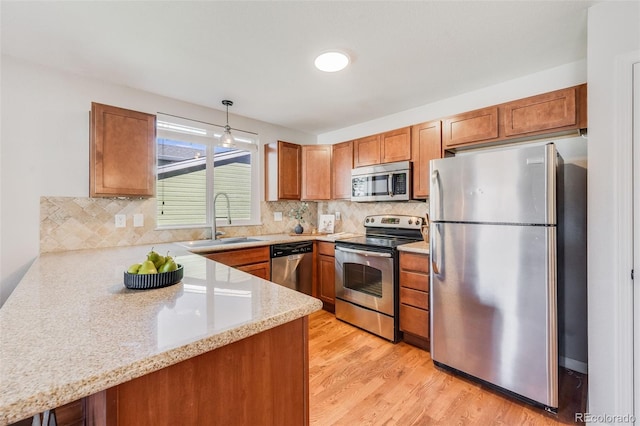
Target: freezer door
493, 305
515, 185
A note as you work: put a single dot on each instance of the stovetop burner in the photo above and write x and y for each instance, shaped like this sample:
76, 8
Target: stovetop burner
388, 231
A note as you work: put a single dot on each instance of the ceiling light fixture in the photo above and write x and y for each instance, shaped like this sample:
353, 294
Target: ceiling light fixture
227, 140
332, 61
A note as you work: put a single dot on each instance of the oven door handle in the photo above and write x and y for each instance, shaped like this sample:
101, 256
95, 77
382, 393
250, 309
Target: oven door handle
363, 252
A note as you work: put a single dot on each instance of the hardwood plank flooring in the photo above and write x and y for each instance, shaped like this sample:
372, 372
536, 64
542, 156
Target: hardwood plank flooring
357, 378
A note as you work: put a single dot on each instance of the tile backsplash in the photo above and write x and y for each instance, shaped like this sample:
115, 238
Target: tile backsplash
70, 223
353, 214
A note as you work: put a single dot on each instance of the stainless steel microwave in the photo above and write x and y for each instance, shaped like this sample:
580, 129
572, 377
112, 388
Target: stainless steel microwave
383, 182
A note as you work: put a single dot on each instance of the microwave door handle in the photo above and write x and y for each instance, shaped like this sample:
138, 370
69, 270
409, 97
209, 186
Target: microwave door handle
390, 184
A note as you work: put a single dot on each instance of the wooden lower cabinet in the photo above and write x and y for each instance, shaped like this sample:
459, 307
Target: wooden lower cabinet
261, 270
326, 280
255, 261
71, 414
260, 380
414, 298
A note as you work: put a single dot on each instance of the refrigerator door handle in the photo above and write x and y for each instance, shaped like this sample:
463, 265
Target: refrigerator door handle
435, 246
435, 197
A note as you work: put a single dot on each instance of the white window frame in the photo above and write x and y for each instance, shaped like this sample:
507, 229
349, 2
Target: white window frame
208, 134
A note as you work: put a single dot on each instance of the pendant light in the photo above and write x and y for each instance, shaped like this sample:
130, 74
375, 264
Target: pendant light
227, 140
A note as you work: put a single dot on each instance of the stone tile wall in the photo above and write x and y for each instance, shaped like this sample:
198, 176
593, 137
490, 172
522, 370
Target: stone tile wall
68, 223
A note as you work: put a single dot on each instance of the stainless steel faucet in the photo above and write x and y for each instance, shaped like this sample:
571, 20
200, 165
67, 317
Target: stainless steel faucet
214, 233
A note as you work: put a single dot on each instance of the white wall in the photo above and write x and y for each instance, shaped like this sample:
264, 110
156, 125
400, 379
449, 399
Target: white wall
614, 32
533, 84
45, 147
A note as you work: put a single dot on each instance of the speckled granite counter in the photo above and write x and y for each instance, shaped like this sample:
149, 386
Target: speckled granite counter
71, 328
420, 247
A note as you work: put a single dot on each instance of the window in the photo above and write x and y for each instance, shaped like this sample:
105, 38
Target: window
192, 170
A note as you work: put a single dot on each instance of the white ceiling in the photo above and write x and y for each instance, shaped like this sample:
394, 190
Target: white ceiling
260, 54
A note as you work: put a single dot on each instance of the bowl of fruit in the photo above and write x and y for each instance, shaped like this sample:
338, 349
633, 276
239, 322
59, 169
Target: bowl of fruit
156, 271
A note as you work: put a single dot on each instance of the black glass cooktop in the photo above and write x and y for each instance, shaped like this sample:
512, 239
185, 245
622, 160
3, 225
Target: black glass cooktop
377, 241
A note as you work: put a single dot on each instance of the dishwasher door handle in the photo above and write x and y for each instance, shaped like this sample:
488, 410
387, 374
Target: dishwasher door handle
293, 257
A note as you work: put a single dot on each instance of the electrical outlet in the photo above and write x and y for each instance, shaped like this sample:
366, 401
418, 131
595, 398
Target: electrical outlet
338, 216
138, 220
121, 221
277, 216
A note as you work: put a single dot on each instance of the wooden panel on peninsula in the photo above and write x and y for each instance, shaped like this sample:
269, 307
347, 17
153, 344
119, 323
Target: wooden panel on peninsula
262, 379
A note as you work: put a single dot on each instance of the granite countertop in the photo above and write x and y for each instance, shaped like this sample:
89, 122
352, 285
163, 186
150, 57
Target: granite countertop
71, 328
420, 247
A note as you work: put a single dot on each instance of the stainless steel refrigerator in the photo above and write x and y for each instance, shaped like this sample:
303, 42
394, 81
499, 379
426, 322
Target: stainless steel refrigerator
493, 269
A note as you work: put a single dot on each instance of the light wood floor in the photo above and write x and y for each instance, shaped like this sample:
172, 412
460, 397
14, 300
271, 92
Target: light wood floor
356, 378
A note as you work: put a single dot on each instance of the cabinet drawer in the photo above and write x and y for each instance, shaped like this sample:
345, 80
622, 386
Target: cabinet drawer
415, 298
241, 256
415, 281
414, 321
326, 249
414, 262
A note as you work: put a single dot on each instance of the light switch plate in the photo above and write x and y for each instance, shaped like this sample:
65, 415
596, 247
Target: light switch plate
338, 216
138, 220
277, 216
121, 221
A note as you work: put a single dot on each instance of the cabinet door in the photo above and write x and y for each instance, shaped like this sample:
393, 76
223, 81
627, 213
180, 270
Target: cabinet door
471, 127
543, 112
342, 158
261, 270
326, 279
316, 172
426, 145
366, 151
122, 152
395, 145
289, 171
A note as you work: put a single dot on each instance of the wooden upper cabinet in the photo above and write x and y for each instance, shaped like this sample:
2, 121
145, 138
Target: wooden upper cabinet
470, 127
283, 171
342, 157
549, 111
395, 145
366, 151
316, 172
387, 147
122, 152
426, 145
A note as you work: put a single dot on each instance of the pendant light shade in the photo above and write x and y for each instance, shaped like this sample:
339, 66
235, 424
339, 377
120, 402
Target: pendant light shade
227, 140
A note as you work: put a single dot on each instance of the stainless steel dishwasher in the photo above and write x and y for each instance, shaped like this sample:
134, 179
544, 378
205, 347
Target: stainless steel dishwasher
292, 265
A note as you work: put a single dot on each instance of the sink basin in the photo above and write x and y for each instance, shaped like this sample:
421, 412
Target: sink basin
222, 241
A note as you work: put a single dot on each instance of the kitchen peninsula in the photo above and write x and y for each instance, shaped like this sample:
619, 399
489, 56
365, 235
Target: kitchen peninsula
220, 346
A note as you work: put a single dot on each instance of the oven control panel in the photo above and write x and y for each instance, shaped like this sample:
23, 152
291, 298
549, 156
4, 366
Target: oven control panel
394, 221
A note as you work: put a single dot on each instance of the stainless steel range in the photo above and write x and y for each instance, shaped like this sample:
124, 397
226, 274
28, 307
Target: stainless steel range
367, 273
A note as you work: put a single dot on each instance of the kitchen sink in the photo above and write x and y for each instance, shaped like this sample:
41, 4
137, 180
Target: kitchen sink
222, 241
